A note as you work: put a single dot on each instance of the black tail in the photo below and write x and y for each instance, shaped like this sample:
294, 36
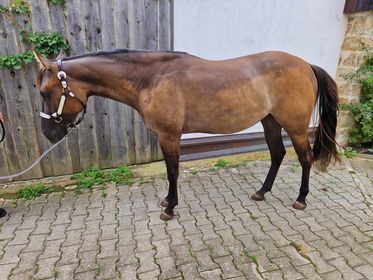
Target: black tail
325, 146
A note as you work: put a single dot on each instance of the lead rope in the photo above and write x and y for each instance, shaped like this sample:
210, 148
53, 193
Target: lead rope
36, 161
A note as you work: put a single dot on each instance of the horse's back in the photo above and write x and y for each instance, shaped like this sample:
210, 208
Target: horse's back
230, 95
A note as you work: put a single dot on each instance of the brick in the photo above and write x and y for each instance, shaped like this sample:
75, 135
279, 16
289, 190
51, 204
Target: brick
11, 254
228, 268
87, 261
147, 262
6, 269
27, 263
106, 268
345, 270
46, 268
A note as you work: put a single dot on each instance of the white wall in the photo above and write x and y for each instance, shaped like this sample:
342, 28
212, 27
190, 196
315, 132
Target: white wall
221, 29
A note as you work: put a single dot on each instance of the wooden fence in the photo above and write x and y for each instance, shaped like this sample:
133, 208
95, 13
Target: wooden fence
112, 133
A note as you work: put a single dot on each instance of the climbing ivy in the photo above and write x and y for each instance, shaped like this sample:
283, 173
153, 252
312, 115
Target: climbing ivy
46, 44
56, 2
362, 112
17, 7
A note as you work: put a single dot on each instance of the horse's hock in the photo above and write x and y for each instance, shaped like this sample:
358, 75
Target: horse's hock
359, 29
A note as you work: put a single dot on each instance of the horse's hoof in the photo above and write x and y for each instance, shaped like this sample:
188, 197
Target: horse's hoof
299, 205
257, 196
2, 213
165, 217
164, 203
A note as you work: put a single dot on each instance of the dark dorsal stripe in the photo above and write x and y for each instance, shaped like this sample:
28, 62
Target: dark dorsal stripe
119, 51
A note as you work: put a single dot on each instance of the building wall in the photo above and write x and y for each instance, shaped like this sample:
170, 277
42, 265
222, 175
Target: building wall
359, 29
221, 29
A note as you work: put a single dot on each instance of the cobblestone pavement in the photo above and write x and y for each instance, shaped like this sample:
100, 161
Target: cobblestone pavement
219, 233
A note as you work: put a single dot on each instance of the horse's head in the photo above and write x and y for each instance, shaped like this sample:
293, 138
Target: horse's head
63, 98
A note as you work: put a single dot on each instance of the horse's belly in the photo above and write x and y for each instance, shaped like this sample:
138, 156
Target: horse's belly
224, 119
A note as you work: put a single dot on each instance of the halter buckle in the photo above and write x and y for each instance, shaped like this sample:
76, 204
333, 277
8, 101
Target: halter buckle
62, 75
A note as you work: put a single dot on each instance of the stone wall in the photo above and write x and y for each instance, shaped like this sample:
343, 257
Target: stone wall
359, 28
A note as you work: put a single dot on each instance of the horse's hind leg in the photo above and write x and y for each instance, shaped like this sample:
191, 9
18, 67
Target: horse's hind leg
305, 156
272, 132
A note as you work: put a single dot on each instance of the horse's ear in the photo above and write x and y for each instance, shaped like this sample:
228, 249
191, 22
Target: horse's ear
61, 55
44, 62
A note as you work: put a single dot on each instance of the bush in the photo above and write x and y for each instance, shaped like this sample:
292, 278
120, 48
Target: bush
362, 112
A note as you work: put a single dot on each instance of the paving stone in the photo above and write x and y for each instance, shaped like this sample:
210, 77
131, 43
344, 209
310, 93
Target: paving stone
65, 272
11, 254
69, 255
121, 236
345, 270
211, 274
6, 269
86, 275
147, 261
87, 261
228, 268
189, 271
27, 263
204, 260
366, 270
107, 248
46, 268
106, 268
168, 268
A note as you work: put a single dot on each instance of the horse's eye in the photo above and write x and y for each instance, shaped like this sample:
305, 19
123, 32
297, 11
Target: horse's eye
44, 94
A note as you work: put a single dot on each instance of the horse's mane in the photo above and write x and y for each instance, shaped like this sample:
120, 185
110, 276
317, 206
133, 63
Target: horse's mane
118, 51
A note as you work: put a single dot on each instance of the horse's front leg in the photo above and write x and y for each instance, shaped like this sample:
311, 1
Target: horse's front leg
170, 146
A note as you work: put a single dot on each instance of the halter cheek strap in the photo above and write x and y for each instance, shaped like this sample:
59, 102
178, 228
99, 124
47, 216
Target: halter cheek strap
66, 91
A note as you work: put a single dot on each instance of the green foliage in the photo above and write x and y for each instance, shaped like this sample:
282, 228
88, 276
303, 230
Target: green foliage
56, 2
16, 61
94, 176
222, 163
251, 257
32, 191
362, 112
349, 152
20, 7
48, 44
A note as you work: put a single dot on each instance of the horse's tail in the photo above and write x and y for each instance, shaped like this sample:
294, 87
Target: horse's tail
325, 146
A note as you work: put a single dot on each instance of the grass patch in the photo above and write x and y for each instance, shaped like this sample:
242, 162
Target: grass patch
294, 166
193, 172
32, 191
222, 163
94, 176
251, 257
349, 152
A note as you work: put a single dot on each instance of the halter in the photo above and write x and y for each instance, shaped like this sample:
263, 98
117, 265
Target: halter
66, 91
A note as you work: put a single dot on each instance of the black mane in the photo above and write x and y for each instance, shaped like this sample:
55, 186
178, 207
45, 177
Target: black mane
118, 51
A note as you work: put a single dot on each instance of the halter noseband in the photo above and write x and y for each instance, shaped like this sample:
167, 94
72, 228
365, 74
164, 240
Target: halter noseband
66, 91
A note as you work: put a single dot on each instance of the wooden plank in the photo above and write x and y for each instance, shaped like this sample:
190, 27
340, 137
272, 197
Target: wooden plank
138, 40
112, 133
77, 13
18, 104
58, 162
165, 25
125, 113
115, 111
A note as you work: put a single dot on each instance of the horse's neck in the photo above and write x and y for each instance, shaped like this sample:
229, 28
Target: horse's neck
111, 79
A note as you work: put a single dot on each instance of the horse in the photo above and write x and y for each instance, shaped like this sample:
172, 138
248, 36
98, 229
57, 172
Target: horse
176, 93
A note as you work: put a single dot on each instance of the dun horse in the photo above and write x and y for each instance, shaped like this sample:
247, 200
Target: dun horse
179, 93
